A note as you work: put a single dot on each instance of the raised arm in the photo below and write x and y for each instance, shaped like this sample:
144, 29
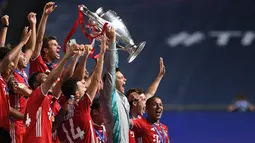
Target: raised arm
5, 23
31, 43
14, 53
154, 86
97, 75
48, 8
81, 69
111, 64
66, 75
45, 86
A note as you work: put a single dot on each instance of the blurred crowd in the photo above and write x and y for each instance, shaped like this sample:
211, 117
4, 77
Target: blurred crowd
60, 100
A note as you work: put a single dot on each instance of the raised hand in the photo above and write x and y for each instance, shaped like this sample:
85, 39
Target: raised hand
87, 49
103, 44
110, 33
25, 35
162, 68
32, 17
49, 8
72, 49
5, 20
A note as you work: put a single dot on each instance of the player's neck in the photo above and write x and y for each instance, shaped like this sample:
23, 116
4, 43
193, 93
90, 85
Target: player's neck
20, 68
133, 113
97, 122
47, 59
157, 122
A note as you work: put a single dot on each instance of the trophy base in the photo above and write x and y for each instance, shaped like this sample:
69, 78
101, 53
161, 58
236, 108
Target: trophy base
136, 52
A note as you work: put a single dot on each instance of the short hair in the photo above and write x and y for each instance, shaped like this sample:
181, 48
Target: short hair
46, 40
3, 52
137, 90
95, 104
32, 80
69, 87
116, 70
150, 99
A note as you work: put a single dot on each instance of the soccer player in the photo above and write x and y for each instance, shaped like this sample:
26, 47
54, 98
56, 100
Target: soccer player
98, 122
114, 103
8, 60
150, 129
47, 48
39, 115
18, 101
79, 128
137, 99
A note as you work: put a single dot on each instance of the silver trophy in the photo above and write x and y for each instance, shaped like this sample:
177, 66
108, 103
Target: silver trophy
123, 38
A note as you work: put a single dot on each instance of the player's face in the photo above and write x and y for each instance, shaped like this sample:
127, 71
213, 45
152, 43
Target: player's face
53, 50
142, 103
82, 87
22, 60
9, 70
120, 82
155, 109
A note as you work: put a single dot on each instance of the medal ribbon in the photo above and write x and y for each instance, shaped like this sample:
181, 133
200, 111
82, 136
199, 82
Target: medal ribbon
23, 75
162, 139
99, 135
80, 20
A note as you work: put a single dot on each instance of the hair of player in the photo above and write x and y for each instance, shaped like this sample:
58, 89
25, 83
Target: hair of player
150, 99
3, 52
116, 70
46, 40
32, 80
137, 90
69, 87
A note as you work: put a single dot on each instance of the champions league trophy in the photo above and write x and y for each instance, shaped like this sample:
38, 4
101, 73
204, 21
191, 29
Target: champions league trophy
123, 38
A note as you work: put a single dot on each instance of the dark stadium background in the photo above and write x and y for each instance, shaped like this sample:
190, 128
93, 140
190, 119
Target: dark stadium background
201, 79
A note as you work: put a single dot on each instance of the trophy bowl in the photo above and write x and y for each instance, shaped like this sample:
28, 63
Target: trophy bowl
123, 38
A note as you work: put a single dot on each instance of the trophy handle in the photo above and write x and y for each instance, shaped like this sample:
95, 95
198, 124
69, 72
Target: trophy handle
133, 55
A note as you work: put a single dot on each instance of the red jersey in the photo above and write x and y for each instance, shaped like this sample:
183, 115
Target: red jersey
18, 102
39, 65
4, 105
39, 118
150, 133
132, 137
79, 128
55, 109
100, 133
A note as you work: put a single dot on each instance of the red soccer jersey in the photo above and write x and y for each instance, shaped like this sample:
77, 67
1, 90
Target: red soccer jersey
79, 128
132, 137
38, 65
55, 109
4, 105
18, 101
100, 133
150, 133
38, 118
